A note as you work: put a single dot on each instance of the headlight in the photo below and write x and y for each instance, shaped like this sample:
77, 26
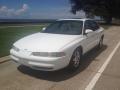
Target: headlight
49, 54
15, 48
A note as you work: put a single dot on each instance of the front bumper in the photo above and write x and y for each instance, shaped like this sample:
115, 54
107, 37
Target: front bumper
40, 63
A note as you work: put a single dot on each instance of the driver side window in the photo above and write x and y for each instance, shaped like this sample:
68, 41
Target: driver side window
89, 24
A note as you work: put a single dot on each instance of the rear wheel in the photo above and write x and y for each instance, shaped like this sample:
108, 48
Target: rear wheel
75, 59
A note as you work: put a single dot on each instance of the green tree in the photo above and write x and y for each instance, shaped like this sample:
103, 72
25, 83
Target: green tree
106, 9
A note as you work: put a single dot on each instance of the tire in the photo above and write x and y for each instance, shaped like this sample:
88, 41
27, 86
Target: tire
100, 45
75, 59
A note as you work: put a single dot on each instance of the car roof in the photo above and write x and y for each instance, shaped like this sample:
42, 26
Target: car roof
84, 19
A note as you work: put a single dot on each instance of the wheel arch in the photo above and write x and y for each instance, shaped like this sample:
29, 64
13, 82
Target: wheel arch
80, 47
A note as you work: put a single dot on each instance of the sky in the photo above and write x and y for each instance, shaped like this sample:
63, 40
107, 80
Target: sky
37, 9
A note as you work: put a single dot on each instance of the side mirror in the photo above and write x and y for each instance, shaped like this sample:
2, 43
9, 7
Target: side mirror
88, 31
43, 28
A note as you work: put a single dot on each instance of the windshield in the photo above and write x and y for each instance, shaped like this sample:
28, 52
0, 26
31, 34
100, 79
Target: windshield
65, 27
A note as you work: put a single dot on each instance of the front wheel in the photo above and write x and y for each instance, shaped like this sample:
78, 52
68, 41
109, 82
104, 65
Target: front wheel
75, 59
100, 43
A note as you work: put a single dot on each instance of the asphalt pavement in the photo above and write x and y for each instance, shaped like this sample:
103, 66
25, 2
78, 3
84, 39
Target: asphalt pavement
110, 79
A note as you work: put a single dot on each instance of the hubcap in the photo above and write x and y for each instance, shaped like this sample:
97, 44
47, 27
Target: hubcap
76, 58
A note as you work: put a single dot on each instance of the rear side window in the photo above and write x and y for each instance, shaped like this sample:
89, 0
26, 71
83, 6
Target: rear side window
89, 24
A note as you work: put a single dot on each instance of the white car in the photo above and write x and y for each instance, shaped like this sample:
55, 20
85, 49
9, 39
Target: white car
59, 45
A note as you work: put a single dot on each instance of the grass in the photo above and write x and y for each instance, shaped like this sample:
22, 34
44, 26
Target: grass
8, 35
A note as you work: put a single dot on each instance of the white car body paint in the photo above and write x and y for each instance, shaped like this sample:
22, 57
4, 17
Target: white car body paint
46, 42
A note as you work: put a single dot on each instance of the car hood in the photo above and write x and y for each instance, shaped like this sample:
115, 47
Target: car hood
44, 42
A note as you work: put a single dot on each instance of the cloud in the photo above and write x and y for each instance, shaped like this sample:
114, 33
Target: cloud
10, 12
22, 10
